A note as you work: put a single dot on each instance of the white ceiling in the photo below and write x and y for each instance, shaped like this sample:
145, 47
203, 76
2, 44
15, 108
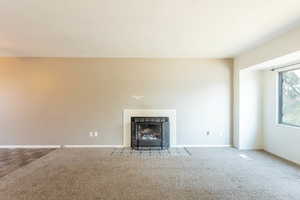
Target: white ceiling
141, 28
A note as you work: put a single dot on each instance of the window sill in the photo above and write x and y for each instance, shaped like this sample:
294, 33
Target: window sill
287, 126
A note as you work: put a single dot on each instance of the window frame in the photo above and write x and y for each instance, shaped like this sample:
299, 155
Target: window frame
280, 99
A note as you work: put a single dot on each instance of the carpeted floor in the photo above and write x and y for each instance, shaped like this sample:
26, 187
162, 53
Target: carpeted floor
203, 174
12, 159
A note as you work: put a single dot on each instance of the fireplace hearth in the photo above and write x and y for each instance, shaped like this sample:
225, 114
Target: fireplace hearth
150, 133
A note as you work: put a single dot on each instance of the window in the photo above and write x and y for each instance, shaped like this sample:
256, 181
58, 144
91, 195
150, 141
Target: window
289, 97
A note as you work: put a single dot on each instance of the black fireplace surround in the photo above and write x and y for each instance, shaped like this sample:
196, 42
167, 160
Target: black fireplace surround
150, 133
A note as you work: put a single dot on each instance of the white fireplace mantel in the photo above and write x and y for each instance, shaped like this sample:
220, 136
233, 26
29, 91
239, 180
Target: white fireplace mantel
128, 113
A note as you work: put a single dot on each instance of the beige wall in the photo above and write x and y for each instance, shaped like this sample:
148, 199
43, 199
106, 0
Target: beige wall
250, 110
59, 101
285, 44
281, 140
277, 139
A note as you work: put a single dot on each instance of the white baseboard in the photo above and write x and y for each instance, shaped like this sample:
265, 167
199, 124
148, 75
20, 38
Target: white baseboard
92, 146
122, 146
249, 149
283, 157
29, 146
202, 145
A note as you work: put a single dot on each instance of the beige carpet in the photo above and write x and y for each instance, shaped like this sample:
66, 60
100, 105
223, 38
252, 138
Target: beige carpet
12, 159
206, 174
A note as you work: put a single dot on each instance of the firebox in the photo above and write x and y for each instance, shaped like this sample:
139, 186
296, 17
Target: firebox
150, 133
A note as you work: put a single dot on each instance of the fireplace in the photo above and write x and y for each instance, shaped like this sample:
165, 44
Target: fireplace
150, 133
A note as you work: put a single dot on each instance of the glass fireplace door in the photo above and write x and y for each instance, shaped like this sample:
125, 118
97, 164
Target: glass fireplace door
149, 134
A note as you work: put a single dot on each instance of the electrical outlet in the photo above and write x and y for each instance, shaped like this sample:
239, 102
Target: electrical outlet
96, 134
91, 134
